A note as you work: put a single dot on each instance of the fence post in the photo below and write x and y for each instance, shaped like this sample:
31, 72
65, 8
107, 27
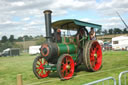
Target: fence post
102, 80
19, 79
120, 75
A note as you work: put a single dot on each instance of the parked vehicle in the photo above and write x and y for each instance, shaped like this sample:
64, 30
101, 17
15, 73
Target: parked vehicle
107, 46
120, 43
10, 52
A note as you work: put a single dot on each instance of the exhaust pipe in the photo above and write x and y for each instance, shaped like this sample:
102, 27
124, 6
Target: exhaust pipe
47, 14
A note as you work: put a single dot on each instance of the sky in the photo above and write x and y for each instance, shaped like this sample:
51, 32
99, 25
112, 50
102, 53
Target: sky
25, 17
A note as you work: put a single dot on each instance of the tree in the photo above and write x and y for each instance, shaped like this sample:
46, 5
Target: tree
125, 30
4, 39
117, 31
27, 38
11, 39
0, 47
40, 40
99, 31
105, 32
110, 31
20, 39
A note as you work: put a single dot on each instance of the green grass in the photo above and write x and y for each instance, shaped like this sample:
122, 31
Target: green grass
114, 62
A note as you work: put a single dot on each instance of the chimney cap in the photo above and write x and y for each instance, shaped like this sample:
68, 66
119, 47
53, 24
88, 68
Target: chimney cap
47, 11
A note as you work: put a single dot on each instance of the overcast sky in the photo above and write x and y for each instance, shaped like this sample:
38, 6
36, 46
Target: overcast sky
25, 17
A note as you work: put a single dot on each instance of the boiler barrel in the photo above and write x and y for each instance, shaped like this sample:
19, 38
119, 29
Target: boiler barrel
66, 48
54, 50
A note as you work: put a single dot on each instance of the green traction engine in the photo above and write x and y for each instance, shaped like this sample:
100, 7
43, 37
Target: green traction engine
64, 53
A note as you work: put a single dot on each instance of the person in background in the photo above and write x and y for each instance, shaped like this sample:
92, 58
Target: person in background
92, 34
58, 35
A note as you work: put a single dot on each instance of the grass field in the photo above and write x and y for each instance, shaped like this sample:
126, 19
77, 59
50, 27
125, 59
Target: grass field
113, 63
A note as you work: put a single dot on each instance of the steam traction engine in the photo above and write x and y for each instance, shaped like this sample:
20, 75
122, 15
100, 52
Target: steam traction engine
65, 53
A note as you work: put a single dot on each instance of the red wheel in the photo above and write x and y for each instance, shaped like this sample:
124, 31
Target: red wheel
65, 67
92, 56
38, 67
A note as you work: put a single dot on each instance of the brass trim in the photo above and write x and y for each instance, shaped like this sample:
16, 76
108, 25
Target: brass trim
76, 48
58, 49
47, 11
64, 39
68, 49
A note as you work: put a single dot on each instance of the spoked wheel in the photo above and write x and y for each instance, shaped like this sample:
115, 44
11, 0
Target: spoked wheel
38, 67
65, 67
92, 56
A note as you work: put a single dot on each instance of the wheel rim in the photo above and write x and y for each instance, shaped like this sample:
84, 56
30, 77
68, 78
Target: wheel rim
95, 56
67, 67
40, 69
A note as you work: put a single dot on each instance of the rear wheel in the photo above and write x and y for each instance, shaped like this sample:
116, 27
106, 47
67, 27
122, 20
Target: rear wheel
65, 67
38, 67
92, 56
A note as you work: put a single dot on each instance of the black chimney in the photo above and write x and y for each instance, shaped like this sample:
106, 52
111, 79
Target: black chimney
47, 14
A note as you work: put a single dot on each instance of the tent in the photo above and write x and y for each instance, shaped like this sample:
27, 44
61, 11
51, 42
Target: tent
11, 52
120, 43
34, 49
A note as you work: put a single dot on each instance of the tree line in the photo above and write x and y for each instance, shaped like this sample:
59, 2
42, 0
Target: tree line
29, 38
113, 31
10, 42
12, 39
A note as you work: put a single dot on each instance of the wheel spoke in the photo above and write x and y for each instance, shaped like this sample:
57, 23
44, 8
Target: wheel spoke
70, 64
91, 55
67, 60
95, 59
64, 67
37, 67
44, 62
40, 60
66, 73
93, 63
37, 64
62, 73
38, 70
92, 58
92, 51
62, 70
98, 60
41, 73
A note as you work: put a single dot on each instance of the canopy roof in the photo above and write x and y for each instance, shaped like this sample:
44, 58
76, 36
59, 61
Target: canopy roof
73, 24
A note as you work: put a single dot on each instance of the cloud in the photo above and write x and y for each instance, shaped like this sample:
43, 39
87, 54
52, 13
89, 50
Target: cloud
26, 19
0, 33
112, 22
31, 15
19, 3
110, 8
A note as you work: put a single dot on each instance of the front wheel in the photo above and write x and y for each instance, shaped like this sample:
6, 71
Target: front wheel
38, 67
65, 67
